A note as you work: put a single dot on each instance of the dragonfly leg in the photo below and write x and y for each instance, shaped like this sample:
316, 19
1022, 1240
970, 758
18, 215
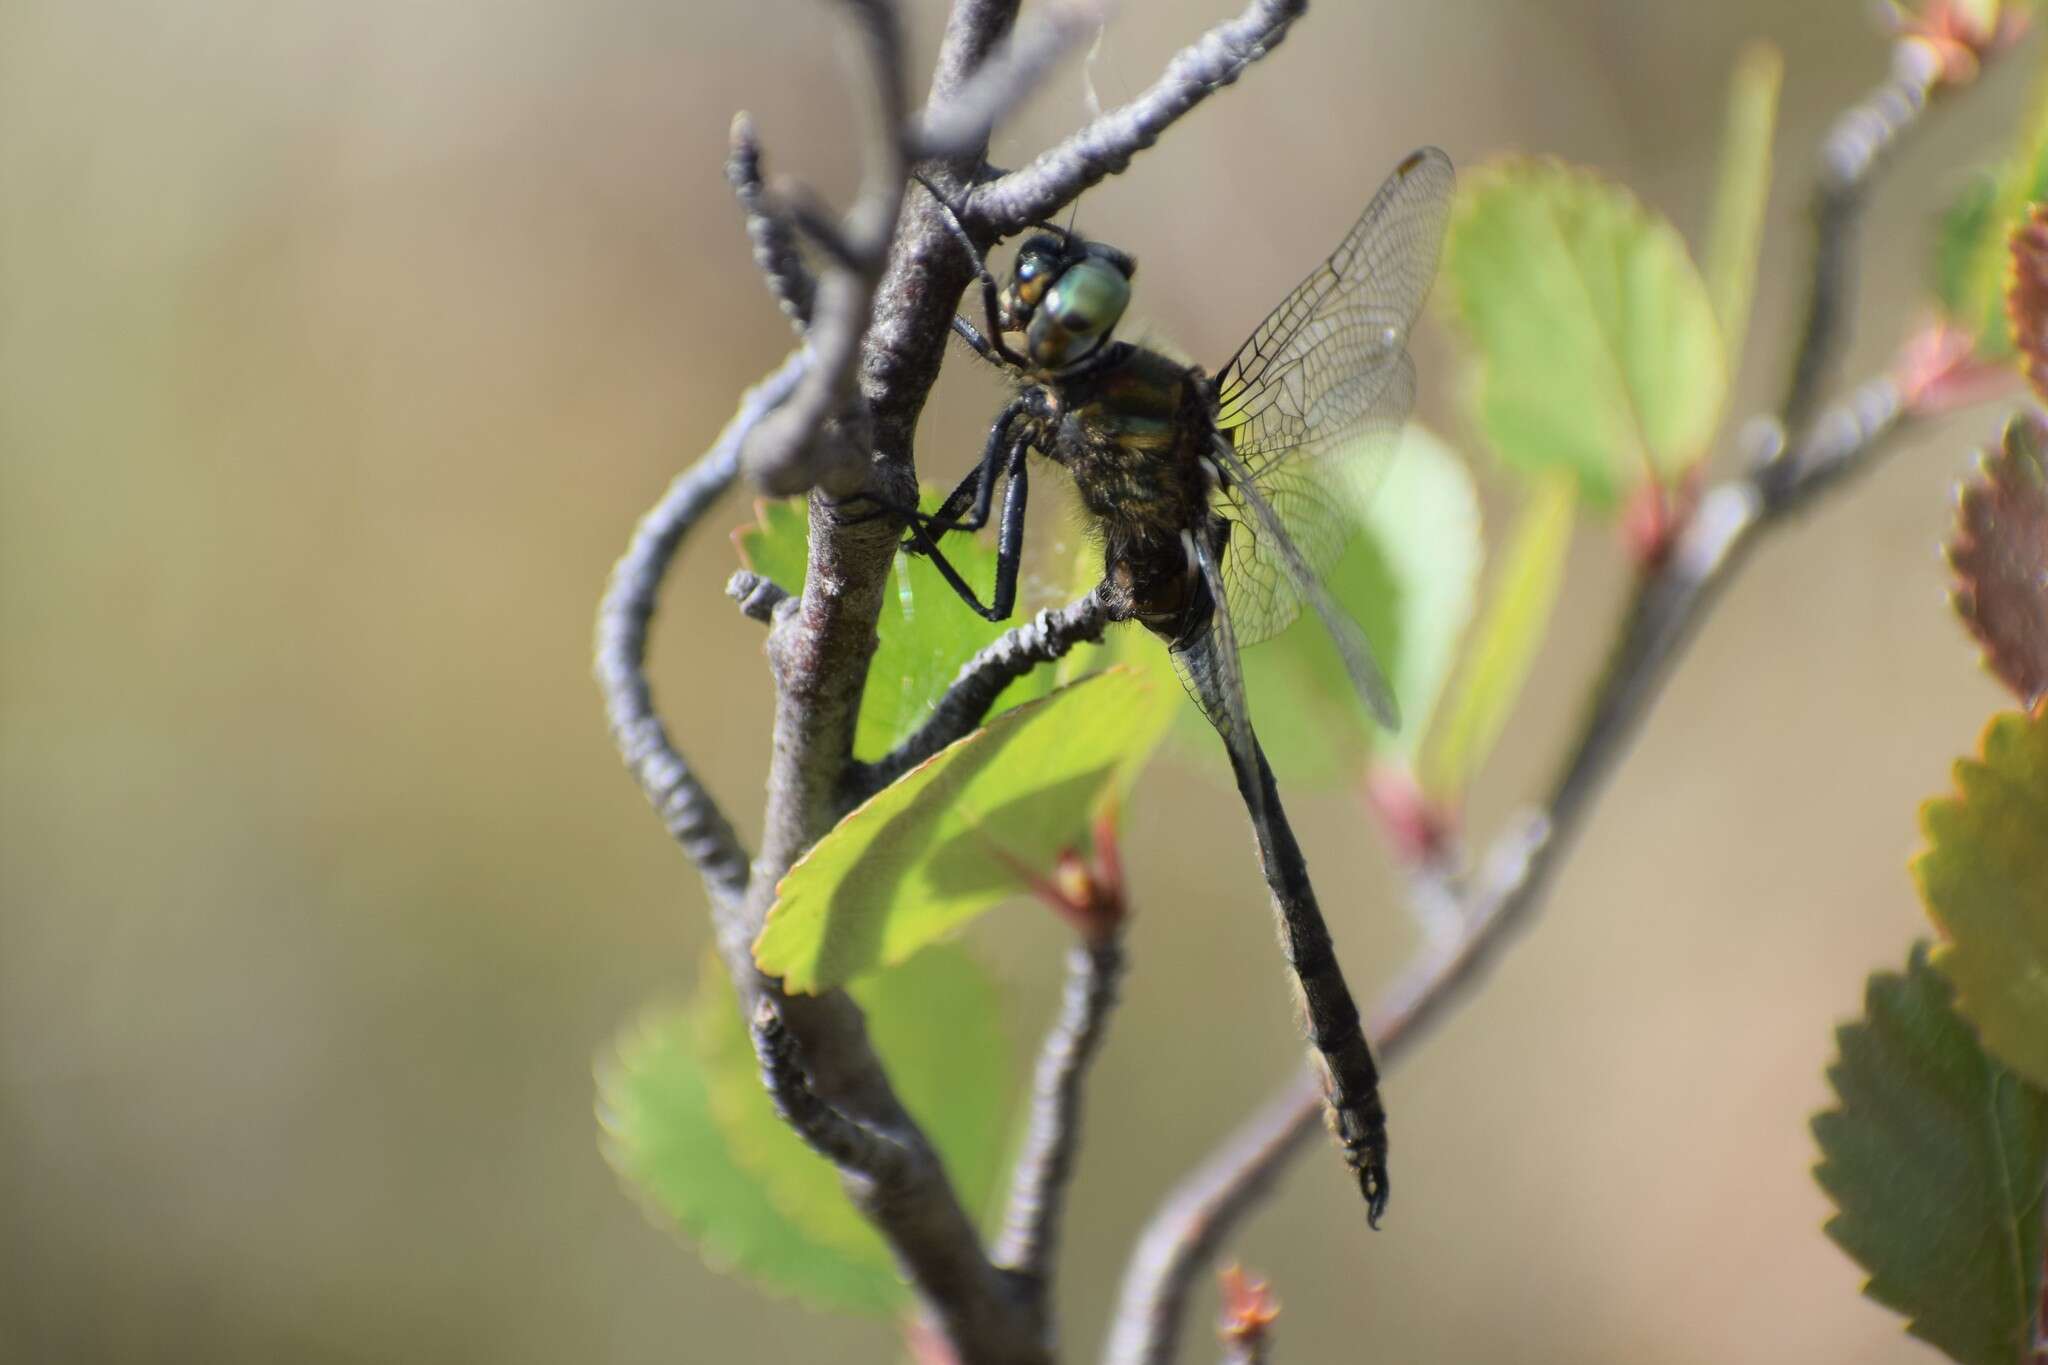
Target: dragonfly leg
971, 334
979, 487
1010, 539
1009, 546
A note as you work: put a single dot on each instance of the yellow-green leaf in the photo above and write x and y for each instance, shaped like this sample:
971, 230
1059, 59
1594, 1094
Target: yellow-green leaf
1936, 1157
1742, 191
926, 632
1984, 877
1505, 642
1595, 345
942, 844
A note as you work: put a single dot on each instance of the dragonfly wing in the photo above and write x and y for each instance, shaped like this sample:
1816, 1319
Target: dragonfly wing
1278, 547
1311, 404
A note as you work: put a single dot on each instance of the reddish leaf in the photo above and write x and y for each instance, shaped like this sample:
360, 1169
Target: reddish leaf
2000, 555
2026, 300
1941, 369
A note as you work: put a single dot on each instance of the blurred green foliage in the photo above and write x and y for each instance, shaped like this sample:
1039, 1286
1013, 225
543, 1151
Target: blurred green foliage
1594, 342
1742, 192
1507, 639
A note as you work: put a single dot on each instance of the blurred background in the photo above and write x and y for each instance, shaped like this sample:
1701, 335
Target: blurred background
341, 345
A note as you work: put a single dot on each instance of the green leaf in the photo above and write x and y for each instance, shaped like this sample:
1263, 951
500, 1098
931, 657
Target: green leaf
1597, 348
1936, 1159
1970, 245
1742, 190
688, 1122
1410, 578
941, 844
1984, 877
926, 631
1505, 642
777, 543
655, 1109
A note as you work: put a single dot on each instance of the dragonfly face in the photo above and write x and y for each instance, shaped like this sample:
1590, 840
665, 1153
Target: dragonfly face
1066, 295
1220, 504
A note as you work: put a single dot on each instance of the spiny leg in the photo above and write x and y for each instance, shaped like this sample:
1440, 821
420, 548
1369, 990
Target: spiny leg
976, 489
1009, 545
980, 484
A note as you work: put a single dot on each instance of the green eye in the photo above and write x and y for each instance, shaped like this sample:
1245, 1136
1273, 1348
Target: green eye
1089, 298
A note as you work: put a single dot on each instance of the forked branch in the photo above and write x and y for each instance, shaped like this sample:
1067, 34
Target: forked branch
839, 416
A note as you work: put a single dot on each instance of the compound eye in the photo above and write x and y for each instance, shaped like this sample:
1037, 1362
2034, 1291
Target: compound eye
1035, 267
1089, 298
1080, 309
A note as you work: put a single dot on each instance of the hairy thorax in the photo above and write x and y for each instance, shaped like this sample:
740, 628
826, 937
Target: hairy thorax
1133, 436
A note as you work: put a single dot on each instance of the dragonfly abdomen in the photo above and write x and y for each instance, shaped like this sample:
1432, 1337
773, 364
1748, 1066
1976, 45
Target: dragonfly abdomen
1351, 1079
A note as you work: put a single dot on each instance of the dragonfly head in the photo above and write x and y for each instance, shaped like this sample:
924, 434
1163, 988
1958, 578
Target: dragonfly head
1066, 295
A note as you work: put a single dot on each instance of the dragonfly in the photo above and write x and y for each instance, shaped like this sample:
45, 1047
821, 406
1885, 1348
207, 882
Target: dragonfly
1220, 502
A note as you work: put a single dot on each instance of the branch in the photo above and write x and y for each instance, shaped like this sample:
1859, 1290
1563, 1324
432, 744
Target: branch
880, 318
1038, 1186
819, 650
1855, 148
1507, 891
854, 1147
1044, 639
960, 127
819, 438
914, 1205
1013, 202
757, 597
774, 239
687, 810
822, 438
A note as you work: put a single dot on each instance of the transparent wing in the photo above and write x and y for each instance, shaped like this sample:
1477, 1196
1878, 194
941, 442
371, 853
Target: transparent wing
1277, 546
1312, 402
